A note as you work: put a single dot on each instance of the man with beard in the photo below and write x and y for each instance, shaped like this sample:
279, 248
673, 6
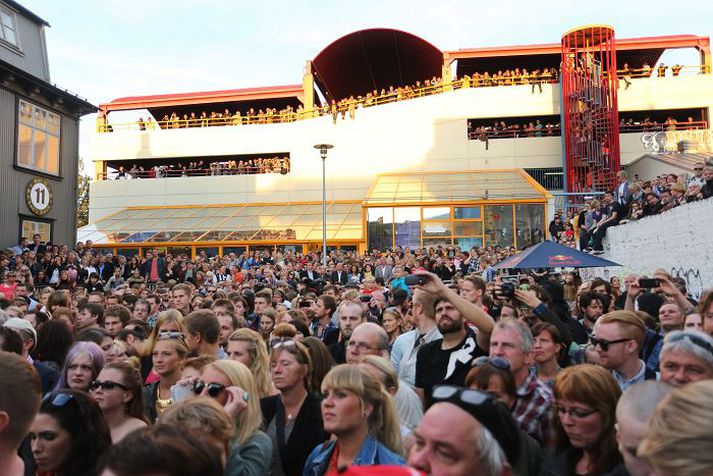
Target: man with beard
350, 316
448, 360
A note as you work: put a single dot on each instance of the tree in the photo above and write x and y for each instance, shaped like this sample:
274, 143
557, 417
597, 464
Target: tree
82, 195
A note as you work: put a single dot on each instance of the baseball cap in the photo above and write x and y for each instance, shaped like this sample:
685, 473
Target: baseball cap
21, 325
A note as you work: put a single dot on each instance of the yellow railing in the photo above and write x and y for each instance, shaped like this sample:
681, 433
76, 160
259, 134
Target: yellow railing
349, 106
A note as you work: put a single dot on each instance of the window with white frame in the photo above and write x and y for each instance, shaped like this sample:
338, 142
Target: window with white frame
8, 26
38, 138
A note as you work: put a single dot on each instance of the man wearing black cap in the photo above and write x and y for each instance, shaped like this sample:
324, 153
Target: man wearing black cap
466, 432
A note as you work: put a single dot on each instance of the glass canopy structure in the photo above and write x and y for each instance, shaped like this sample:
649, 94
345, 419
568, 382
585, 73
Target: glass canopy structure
471, 208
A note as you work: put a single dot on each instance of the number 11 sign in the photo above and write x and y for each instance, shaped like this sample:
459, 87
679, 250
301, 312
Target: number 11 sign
38, 196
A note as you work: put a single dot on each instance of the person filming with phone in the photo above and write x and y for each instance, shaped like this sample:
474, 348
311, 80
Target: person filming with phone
447, 360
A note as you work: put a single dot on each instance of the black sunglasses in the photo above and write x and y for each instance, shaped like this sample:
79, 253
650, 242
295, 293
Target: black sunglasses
693, 338
498, 362
214, 388
604, 344
106, 385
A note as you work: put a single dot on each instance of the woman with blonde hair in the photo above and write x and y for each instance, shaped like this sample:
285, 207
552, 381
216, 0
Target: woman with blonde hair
167, 355
247, 346
118, 391
585, 413
170, 320
392, 322
679, 437
360, 414
232, 385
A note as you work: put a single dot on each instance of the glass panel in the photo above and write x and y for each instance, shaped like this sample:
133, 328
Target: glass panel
467, 213
164, 236
407, 223
25, 112
53, 124
467, 228
10, 35
379, 228
6, 19
40, 118
467, 243
441, 213
128, 252
40, 150
24, 146
178, 250
30, 227
139, 237
432, 242
189, 235
238, 250
499, 225
210, 252
436, 228
530, 222
53, 154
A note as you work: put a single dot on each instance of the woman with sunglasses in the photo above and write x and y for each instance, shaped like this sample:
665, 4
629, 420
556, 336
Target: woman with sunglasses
118, 391
361, 415
83, 363
168, 354
232, 385
69, 436
247, 347
585, 407
169, 320
292, 419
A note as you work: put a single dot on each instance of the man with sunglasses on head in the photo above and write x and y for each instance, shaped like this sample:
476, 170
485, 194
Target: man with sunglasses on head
465, 432
618, 337
686, 357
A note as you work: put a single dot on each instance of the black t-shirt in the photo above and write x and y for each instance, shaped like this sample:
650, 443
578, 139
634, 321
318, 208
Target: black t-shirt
435, 366
614, 207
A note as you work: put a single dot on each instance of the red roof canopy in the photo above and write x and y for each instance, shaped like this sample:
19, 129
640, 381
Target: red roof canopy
377, 58
206, 97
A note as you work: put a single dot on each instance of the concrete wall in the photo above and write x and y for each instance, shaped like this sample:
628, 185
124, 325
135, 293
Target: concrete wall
679, 241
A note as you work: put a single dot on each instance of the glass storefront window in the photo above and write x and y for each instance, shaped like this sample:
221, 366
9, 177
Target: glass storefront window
467, 213
467, 228
530, 224
499, 225
466, 244
380, 228
407, 225
128, 252
430, 242
436, 228
439, 213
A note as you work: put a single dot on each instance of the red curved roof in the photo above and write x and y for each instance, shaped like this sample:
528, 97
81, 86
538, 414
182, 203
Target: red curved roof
203, 97
374, 59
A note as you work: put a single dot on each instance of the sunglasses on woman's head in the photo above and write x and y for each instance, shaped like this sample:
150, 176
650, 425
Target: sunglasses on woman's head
171, 335
214, 388
106, 385
498, 362
59, 399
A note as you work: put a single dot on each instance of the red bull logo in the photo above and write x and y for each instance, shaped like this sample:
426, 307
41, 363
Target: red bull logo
563, 260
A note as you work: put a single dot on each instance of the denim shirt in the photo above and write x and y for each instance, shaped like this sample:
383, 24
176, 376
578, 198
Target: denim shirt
371, 453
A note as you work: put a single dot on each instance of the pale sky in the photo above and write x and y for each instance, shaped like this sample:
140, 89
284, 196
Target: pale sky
105, 49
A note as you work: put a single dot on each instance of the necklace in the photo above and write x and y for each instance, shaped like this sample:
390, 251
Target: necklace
295, 407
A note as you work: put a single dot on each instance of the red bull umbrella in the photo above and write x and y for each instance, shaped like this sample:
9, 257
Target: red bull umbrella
552, 255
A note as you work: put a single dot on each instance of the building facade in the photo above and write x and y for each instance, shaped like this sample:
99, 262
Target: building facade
39, 135
416, 158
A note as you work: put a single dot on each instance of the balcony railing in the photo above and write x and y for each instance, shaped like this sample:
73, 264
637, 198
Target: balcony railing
186, 172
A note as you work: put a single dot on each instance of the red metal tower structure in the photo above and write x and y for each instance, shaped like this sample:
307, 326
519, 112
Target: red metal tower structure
590, 113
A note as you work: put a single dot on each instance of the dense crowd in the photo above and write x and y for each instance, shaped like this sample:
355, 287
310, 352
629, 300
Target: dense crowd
199, 168
632, 200
272, 363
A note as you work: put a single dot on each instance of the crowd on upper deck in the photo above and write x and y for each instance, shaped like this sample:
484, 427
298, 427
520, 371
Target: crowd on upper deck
199, 168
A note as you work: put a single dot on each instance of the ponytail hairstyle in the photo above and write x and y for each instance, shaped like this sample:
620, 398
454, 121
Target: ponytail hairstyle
383, 420
131, 376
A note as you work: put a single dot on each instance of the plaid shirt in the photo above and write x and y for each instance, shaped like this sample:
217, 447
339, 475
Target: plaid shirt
532, 410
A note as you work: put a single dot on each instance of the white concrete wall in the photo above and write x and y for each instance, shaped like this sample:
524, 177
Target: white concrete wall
425, 134
679, 241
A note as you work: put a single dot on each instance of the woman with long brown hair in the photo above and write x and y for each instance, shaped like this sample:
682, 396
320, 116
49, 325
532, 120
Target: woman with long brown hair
585, 407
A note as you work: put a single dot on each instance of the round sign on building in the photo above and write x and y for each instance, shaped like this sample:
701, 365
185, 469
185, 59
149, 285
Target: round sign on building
38, 196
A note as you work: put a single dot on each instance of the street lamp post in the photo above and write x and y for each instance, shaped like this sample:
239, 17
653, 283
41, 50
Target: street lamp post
323, 148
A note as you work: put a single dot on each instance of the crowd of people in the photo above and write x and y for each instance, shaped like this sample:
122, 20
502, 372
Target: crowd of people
199, 168
428, 361
503, 130
632, 200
